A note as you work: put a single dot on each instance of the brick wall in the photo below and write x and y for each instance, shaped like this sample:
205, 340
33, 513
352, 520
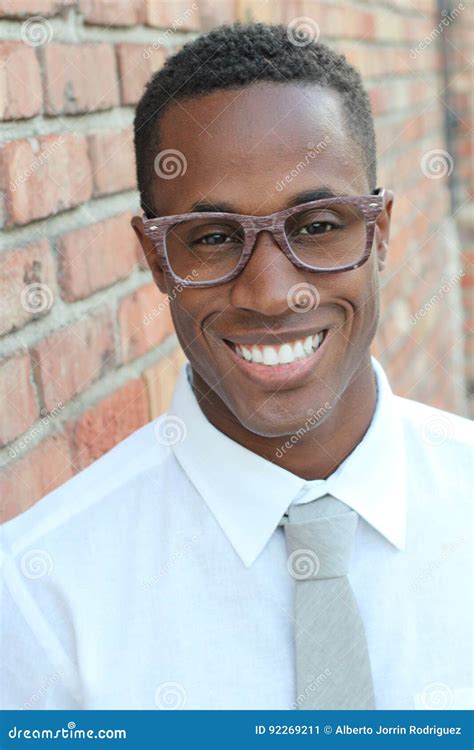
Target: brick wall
458, 96
82, 363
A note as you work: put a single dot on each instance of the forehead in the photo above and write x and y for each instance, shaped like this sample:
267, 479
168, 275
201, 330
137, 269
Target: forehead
254, 147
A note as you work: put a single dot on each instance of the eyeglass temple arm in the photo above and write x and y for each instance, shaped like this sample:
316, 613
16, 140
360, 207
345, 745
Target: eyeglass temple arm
380, 191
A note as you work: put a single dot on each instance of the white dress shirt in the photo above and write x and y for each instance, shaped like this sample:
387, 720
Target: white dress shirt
157, 578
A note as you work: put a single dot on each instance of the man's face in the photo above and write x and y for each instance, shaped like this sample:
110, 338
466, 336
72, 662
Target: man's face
242, 148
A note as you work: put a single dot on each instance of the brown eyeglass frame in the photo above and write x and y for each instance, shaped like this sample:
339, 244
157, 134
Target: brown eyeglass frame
371, 206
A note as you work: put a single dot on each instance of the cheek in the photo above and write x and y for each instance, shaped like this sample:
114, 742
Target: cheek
367, 306
357, 293
190, 309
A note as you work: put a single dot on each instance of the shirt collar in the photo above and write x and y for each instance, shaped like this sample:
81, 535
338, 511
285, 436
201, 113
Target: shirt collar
248, 494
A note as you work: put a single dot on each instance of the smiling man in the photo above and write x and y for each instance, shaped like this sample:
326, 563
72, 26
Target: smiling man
290, 534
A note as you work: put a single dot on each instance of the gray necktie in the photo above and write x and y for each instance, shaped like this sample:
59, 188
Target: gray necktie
332, 660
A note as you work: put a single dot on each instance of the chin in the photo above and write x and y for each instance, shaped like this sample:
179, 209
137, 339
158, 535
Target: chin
274, 420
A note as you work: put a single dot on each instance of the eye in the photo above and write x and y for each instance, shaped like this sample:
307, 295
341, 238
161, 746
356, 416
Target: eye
215, 238
317, 227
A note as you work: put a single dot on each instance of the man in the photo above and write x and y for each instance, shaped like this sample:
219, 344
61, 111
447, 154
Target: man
290, 534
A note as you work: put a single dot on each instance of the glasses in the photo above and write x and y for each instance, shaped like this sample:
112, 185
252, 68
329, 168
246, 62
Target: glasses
203, 249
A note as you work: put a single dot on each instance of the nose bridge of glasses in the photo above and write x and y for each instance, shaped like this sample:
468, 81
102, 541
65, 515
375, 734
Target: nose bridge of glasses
265, 224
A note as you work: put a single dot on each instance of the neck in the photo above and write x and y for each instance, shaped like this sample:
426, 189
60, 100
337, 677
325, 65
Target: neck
319, 451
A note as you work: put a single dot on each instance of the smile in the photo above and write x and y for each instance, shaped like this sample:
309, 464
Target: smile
282, 354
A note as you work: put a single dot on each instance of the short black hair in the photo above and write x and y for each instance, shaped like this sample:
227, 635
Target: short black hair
231, 56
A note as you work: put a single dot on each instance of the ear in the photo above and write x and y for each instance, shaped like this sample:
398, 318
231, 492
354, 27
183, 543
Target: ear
382, 230
151, 255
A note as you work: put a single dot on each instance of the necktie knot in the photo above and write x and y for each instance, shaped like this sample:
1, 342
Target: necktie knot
319, 538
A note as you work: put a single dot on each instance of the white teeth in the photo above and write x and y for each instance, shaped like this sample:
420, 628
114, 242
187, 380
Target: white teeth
280, 355
308, 344
298, 350
285, 354
270, 356
257, 355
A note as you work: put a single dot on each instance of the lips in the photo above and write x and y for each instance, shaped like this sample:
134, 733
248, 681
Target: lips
277, 377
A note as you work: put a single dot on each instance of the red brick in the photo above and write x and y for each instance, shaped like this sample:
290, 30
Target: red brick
112, 12
42, 176
72, 358
177, 15
27, 285
248, 11
113, 161
31, 477
108, 422
136, 65
20, 82
19, 405
215, 14
28, 8
388, 25
96, 256
145, 321
79, 78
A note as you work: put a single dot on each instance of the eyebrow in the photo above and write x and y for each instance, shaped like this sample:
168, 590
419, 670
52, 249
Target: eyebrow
305, 197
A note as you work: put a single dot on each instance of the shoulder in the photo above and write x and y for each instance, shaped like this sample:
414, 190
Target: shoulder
439, 455
93, 496
434, 428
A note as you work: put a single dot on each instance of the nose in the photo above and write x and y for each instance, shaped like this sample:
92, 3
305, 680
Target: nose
267, 283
